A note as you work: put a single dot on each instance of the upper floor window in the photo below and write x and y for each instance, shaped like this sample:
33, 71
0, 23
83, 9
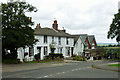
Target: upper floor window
67, 41
59, 40
45, 38
52, 39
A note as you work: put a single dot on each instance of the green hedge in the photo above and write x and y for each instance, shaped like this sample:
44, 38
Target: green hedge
79, 58
37, 57
11, 61
52, 56
56, 55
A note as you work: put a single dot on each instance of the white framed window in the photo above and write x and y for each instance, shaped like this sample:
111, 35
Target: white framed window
59, 40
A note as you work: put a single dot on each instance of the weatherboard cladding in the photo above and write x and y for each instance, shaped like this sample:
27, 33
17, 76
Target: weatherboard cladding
51, 32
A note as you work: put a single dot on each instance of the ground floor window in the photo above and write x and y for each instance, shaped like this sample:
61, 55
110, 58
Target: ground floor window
45, 50
68, 51
31, 51
60, 50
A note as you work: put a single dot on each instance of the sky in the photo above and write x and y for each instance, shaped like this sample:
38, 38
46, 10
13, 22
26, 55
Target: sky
92, 17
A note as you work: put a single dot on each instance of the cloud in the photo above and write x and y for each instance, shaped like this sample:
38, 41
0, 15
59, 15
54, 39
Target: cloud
77, 16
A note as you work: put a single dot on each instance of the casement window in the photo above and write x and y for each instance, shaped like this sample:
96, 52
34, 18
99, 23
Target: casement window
59, 40
31, 51
67, 41
60, 50
52, 39
45, 38
45, 50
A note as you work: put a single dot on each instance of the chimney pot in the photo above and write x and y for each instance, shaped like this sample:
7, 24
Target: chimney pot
55, 21
55, 25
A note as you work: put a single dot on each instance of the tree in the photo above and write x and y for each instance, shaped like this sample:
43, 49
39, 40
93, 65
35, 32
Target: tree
16, 31
114, 31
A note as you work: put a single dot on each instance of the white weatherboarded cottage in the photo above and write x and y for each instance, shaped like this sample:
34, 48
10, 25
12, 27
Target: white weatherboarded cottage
63, 43
83, 43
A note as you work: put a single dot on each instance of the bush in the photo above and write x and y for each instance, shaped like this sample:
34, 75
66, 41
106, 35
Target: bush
11, 61
37, 57
48, 58
56, 56
79, 58
74, 55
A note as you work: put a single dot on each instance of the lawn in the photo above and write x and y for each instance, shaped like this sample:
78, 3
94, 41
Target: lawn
113, 47
114, 65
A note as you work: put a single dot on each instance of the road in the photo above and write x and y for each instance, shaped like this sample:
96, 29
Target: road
71, 70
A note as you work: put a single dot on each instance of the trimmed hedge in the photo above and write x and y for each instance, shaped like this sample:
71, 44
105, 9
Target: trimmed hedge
56, 55
11, 61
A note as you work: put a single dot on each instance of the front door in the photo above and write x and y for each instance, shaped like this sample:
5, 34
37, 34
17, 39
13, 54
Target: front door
72, 51
68, 51
39, 51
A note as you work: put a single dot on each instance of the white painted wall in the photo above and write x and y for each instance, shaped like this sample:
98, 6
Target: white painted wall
79, 47
41, 44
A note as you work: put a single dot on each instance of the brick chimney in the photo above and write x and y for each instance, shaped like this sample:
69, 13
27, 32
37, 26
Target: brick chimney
55, 25
38, 26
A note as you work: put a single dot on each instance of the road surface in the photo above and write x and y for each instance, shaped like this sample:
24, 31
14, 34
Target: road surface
71, 70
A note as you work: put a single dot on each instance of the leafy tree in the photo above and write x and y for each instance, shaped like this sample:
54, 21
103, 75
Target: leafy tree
16, 31
114, 31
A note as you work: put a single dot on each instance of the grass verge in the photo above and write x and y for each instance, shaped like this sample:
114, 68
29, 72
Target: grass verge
114, 65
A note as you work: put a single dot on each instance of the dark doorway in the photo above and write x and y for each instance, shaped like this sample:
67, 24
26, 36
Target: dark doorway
68, 51
71, 51
39, 51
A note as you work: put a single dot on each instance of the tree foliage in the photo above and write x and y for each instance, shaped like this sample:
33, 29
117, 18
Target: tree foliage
16, 31
114, 31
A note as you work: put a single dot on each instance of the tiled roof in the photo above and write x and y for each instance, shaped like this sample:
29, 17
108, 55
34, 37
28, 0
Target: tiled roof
82, 36
76, 37
51, 32
91, 38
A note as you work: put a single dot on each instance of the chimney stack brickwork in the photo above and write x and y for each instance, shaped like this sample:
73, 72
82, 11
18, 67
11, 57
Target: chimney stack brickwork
55, 25
38, 26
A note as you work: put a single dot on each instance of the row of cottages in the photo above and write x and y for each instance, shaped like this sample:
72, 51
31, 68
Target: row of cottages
83, 43
62, 41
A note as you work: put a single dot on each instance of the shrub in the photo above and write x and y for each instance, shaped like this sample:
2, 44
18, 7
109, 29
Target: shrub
11, 61
74, 55
48, 58
54, 56
79, 58
37, 57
